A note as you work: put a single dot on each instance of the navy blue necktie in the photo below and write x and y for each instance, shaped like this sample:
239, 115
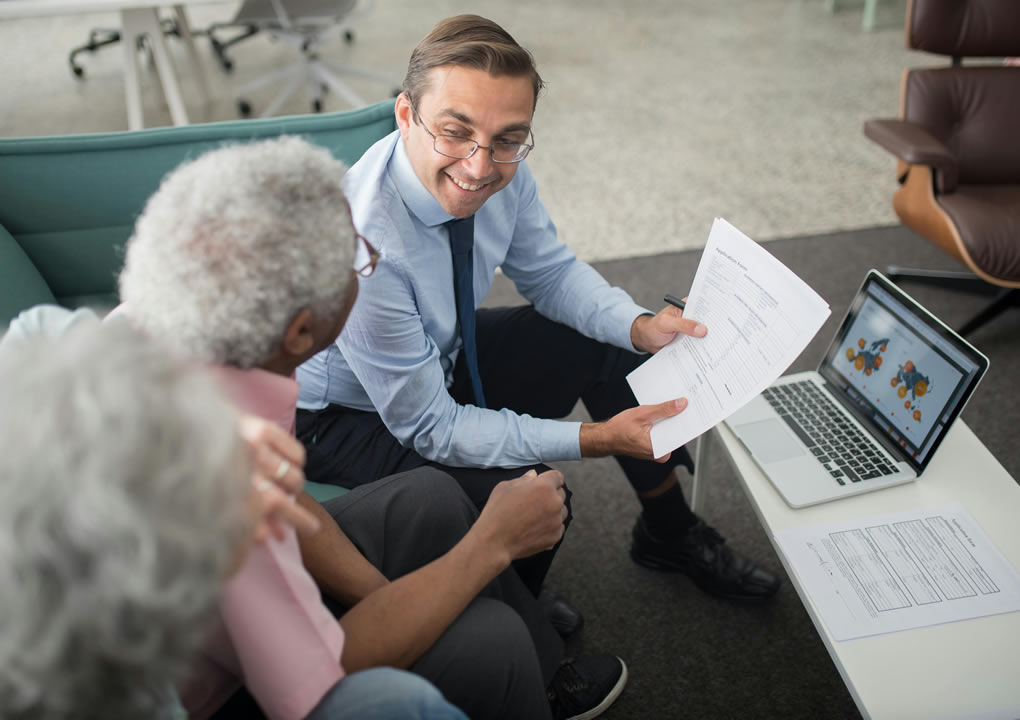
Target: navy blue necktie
462, 241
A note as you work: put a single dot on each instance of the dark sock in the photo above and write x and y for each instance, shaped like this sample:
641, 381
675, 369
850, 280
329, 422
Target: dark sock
667, 515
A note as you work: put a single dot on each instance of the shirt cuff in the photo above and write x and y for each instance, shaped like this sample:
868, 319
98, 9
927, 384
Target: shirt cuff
621, 320
561, 440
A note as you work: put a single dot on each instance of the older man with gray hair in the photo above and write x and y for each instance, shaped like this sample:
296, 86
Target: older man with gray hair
246, 258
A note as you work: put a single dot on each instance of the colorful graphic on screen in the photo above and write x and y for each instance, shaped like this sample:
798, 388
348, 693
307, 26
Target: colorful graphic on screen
867, 361
909, 380
896, 372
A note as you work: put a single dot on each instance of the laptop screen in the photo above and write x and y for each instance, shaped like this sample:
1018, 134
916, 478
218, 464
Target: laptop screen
902, 369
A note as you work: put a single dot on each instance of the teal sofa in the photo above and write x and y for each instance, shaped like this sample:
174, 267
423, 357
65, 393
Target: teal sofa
68, 203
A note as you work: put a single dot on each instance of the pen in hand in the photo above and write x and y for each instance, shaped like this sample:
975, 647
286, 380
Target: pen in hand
695, 330
675, 301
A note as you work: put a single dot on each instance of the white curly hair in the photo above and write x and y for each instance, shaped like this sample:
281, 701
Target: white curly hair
235, 244
124, 505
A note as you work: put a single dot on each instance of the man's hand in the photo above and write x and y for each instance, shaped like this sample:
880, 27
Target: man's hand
627, 433
651, 333
277, 476
525, 516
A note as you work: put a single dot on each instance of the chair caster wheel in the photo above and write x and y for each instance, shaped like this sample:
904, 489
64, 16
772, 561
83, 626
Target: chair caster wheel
228, 65
349, 36
78, 71
317, 106
244, 108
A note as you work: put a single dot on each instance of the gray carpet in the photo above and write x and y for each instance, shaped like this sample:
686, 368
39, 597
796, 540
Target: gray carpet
690, 655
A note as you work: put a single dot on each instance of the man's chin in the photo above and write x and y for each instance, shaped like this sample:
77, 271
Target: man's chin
461, 209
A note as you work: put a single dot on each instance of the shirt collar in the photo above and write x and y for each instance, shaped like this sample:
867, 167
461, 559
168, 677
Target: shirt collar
256, 391
260, 392
416, 196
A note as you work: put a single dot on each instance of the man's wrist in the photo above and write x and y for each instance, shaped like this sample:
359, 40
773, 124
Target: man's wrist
593, 440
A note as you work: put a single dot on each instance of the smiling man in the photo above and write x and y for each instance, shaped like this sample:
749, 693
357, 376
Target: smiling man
462, 185
423, 376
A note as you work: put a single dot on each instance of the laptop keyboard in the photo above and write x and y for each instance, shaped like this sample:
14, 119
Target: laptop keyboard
846, 452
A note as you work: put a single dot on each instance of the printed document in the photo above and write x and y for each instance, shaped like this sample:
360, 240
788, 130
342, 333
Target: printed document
760, 316
900, 571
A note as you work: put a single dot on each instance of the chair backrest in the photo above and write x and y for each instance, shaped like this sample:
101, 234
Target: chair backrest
964, 28
266, 13
975, 112
974, 109
68, 204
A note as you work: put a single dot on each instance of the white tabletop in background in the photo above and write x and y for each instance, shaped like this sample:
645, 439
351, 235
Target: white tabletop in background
10, 9
962, 669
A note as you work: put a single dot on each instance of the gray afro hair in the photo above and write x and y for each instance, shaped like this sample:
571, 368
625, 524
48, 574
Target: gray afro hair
124, 495
235, 244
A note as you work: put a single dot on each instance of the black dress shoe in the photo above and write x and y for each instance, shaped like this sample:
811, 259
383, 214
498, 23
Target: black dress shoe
566, 620
703, 554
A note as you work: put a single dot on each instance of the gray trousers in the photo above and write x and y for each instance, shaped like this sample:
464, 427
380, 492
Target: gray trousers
497, 658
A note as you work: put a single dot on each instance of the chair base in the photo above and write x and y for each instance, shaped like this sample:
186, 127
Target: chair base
318, 76
868, 19
220, 47
101, 37
1004, 299
97, 38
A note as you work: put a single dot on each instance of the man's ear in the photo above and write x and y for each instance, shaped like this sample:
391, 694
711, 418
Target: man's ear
299, 339
404, 114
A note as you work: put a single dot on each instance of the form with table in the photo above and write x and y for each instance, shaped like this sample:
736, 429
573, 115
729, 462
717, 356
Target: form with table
959, 669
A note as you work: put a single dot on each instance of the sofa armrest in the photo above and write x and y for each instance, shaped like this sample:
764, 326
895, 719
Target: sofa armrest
914, 145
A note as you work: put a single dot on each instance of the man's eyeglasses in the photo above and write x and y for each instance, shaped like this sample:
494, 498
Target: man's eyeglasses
461, 148
366, 257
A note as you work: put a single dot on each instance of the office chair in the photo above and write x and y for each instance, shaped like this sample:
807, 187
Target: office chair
304, 24
244, 30
958, 145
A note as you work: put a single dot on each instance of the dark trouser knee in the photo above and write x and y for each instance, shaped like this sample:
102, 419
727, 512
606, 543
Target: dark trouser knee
485, 663
405, 521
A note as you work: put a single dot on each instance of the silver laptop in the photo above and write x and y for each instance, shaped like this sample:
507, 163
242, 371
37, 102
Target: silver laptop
883, 398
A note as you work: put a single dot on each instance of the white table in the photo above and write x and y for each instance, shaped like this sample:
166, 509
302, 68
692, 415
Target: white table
137, 18
963, 669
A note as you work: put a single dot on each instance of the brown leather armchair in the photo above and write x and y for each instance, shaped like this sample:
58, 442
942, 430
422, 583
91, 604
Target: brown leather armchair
958, 145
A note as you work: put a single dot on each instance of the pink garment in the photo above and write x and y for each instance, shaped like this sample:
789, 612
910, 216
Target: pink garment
272, 633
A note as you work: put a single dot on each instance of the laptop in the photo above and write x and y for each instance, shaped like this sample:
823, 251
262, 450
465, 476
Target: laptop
889, 387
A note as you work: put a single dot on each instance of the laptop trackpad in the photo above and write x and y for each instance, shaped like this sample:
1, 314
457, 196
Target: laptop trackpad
770, 441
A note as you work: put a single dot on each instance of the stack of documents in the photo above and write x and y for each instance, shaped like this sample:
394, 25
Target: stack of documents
760, 316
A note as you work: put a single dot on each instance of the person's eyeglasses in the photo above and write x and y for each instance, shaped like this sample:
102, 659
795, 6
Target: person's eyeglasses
461, 148
366, 257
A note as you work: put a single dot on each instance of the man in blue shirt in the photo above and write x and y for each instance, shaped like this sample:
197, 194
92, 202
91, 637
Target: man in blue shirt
405, 385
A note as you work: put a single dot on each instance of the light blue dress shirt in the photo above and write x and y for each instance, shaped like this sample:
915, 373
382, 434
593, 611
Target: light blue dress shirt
397, 352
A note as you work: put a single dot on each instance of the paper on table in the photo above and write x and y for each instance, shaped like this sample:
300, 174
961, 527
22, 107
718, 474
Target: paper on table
903, 570
760, 317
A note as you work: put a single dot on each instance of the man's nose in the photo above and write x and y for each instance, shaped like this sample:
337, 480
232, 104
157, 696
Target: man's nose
480, 164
